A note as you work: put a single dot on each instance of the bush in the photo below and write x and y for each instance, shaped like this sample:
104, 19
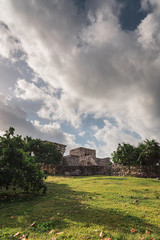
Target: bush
17, 167
126, 154
43, 151
146, 154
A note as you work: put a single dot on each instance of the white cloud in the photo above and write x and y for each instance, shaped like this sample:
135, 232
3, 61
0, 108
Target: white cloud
82, 133
49, 31
28, 91
5, 45
98, 67
103, 27
2, 133
9, 45
53, 132
13, 116
64, 107
91, 144
111, 135
149, 33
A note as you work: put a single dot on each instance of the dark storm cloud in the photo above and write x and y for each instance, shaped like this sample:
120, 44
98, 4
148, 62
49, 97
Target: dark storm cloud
8, 76
98, 66
52, 19
108, 59
4, 25
15, 117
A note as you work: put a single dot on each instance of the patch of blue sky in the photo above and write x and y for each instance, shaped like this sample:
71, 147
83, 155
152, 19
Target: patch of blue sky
80, 4
80, 139
31, 116
112, 120
25, 71
17, 53
68, 128
131, 14
133, 134
56, 92
87, 138
90, 120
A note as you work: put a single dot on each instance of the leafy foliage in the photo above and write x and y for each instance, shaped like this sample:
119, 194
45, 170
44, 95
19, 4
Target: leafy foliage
125, 154
149, 153
17, 167
44, 152
146, 153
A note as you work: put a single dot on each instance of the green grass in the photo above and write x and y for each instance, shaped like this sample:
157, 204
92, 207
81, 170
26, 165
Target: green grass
82, 207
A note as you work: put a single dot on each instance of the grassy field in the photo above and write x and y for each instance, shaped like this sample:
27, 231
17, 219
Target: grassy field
83, 207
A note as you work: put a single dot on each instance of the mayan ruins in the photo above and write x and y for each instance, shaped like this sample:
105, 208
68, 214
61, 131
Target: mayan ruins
82, 161
84, 157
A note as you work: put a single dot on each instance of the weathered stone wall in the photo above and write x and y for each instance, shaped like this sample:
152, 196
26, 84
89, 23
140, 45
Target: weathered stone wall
70, 161
79, 161
108, 170
89, 160
48, 168
83, 152
103, 161
137, 171
83, 170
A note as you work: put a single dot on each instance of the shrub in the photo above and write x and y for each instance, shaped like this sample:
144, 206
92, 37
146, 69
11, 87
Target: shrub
44, 152
17, 167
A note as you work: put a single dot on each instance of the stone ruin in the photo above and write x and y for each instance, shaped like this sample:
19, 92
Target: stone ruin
78, 158
84, 157
83, 162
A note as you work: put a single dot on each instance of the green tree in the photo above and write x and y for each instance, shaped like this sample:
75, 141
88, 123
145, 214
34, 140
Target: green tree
149, 153
44, 152
17, 167
126, 154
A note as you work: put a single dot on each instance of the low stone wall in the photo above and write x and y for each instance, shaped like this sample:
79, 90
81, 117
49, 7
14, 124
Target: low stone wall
135, 171
109, 170
48, 168
83, 170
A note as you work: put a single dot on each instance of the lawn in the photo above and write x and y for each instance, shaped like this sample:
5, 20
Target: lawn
85, 208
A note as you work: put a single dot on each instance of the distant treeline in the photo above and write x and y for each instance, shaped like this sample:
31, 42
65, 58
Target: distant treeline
147, 153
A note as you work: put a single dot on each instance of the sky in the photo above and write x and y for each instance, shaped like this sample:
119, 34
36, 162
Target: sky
81, 72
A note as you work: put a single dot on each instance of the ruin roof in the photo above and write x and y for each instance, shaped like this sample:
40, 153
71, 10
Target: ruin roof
83, 148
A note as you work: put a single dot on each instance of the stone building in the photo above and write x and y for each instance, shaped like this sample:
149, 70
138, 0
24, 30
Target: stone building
84, 157
81, 152
83, 162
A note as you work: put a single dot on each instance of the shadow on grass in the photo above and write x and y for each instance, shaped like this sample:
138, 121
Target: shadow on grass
62, 206
17, 197
111, 218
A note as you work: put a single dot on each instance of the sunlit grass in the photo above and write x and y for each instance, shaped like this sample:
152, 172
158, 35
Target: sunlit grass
83, 207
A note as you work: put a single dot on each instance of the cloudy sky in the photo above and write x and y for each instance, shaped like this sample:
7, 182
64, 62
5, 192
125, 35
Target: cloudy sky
81, 72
